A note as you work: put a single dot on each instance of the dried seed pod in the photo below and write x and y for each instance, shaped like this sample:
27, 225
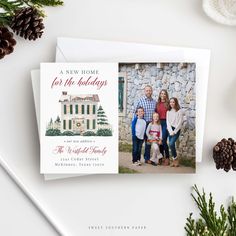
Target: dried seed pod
224, 154
7, 42
27, 23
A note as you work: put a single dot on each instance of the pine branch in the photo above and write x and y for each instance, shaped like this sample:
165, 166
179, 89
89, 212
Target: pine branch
24, 17
190, 226
216, 225
232, 218
5, 19
210, 224
10, 6
201, 228
52, 3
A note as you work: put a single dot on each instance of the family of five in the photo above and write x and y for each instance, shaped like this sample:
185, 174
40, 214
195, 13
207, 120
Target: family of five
158, 124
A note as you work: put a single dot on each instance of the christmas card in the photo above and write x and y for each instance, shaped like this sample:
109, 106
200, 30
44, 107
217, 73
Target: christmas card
79, 118
83, 105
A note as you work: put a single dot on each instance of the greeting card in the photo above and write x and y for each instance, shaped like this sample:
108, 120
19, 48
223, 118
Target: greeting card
79, 118
84, 104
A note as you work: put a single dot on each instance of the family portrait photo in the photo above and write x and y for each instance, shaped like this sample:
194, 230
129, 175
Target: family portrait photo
157, 116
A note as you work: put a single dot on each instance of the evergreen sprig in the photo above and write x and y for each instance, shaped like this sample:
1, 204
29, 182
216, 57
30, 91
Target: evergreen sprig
9, 7
232, 218
210, 223
52, 3
5, 19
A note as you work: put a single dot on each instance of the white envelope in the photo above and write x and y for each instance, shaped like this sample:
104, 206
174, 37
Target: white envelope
84, 50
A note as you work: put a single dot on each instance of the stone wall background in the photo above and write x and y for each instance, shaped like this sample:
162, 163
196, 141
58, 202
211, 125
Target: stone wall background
179, 79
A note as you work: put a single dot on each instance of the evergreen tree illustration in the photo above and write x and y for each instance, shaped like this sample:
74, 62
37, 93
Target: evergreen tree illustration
58, 119
51, 122
101, 117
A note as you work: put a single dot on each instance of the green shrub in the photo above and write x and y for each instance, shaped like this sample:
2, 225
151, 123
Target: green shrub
125, 147
89, 133
126, 170
104, 132
187, 162
67, 133
53, 132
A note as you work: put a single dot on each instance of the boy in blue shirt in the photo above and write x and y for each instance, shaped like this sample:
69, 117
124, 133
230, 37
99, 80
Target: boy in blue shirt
138, 130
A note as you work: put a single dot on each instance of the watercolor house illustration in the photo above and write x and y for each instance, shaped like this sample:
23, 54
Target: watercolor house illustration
79, 113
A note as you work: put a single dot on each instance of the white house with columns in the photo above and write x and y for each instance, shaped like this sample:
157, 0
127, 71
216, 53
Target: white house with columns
79, 112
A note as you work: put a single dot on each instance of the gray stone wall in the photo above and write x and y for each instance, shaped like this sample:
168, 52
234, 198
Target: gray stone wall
179, 79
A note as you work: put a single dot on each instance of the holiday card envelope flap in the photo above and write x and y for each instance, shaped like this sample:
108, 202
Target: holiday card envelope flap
78, 124
84, 50
88, 50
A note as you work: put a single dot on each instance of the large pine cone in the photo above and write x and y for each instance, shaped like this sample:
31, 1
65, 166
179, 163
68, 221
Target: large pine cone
28, 23
7, 42
224, 154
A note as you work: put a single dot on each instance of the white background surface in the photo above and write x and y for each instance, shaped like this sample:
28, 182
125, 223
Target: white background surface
178, 23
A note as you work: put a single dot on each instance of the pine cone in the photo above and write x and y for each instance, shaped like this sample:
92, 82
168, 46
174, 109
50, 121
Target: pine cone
28, 23
224, 154
7, 42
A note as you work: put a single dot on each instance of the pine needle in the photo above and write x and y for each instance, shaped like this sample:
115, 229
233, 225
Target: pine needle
9, 7
210, 223
52, 3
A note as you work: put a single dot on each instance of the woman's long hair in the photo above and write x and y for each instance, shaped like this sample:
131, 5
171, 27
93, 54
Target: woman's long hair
167, 102
177, 106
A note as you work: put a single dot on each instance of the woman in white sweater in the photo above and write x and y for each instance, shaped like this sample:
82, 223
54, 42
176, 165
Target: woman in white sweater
174, 119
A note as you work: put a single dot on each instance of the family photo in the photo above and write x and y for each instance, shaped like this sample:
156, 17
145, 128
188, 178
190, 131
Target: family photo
157, 112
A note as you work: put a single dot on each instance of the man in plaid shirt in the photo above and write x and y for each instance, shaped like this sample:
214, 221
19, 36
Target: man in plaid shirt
149, 106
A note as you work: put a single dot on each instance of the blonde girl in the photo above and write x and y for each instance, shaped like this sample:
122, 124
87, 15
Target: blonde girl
154, 134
